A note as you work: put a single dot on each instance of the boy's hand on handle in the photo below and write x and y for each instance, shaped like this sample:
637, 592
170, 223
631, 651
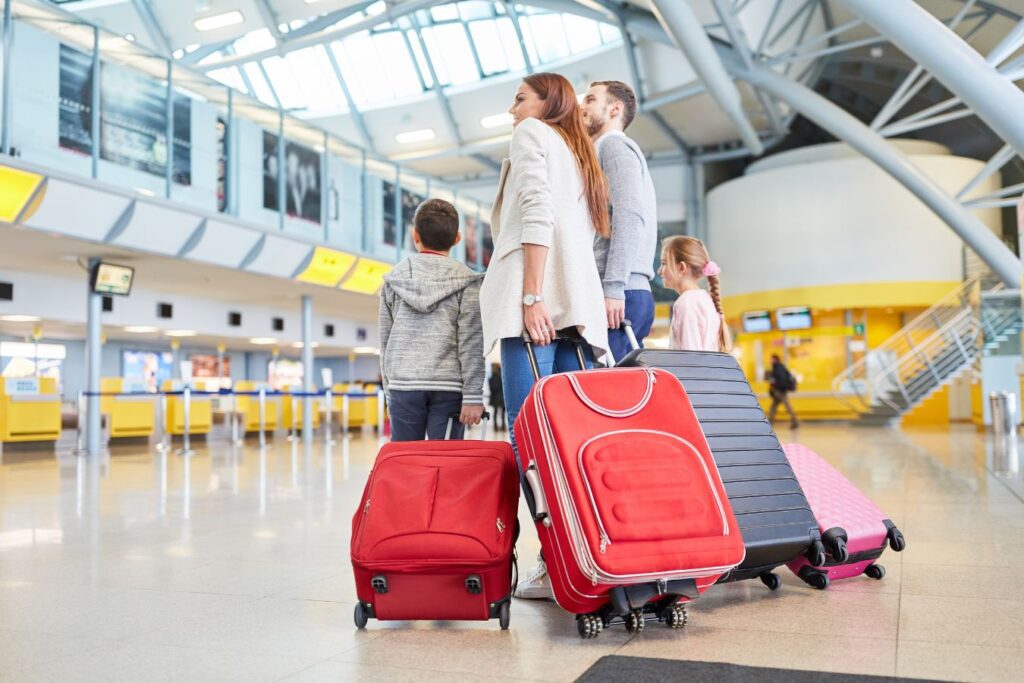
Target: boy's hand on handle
615, 309
471, 415
538, 323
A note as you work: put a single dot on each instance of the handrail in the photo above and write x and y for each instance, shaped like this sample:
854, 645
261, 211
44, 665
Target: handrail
935, 321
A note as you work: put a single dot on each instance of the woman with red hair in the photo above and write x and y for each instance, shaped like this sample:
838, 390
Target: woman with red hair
552, 199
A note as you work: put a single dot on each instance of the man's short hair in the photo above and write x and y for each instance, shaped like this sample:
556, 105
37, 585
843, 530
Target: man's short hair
622, 93
437, 223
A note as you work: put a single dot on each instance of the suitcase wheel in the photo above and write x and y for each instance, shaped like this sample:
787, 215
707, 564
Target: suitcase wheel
589, 625
816, 554
896, 540
635, 621
504, 616
771, 580
875, 571
817, 580
360, 616
677, 617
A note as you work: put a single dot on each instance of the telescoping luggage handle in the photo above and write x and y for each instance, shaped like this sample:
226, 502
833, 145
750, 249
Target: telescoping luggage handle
484, 419
569, 335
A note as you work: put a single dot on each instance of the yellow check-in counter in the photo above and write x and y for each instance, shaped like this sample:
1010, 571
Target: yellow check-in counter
362, 410
127, 416
200, 415
291, 410
248, 407
29, 409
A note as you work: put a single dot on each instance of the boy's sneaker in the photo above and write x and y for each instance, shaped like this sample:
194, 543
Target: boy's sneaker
536, 585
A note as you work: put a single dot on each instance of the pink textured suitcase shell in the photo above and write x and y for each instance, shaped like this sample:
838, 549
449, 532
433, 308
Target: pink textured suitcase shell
853, 529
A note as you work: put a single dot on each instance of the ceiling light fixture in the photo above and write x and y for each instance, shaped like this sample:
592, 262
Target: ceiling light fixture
497, 120
411, 136
216, 21
181, 333
130, 37
20, 318
299, 345
140, 329
263, 341
366, 350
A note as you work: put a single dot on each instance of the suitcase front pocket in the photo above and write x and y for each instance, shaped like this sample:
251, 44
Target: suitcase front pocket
646, 485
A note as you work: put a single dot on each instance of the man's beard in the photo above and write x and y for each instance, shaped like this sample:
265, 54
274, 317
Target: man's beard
594, 126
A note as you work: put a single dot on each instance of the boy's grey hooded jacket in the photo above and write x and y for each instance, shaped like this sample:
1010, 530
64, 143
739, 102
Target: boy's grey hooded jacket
431, 337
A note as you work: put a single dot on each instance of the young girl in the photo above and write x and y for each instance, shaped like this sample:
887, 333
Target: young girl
698, 323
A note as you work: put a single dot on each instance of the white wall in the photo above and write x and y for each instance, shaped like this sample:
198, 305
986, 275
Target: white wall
836, 221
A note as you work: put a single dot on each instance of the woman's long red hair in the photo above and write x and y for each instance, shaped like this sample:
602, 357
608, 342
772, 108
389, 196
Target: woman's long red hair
562, 112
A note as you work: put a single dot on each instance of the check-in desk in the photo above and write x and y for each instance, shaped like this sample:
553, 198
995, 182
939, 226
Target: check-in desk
291, 409
200, 414
29, 409
362, 410
248, 407
127, 416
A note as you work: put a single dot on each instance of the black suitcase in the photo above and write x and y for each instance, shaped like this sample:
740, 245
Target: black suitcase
773, 514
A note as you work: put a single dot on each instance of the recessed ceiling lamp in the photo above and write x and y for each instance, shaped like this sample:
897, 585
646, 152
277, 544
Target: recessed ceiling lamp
181, 333
216, 21
299, 345
130, 37
263, 341
411, 136
140, 329
312, 2
20, 318
496, 120
366, 350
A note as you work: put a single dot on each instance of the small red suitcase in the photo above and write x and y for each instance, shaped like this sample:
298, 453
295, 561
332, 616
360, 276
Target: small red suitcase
632, 515
853, 530
434, 534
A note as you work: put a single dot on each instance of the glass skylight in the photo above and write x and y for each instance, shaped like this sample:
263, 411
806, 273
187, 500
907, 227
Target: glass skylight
465, 42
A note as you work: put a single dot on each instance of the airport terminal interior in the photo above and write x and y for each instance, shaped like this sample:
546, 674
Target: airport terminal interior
200, 201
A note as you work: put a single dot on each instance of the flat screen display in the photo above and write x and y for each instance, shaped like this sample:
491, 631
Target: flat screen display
757, 321
112, 279
793, 318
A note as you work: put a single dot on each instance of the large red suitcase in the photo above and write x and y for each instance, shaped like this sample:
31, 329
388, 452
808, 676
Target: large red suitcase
632, 515
434, 534
853, 529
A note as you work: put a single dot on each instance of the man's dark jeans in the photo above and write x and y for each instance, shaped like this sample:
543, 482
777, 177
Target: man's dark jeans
640, 312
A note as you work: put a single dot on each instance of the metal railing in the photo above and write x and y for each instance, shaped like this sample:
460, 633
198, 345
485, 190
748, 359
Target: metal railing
892, 374
187, 394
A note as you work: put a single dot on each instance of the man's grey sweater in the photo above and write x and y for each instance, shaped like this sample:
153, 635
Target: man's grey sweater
431, 338
626, 261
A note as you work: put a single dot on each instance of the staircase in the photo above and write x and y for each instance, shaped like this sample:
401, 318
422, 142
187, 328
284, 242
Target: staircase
930, 351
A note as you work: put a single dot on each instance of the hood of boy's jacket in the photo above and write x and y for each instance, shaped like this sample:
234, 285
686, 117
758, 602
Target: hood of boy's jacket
425, 280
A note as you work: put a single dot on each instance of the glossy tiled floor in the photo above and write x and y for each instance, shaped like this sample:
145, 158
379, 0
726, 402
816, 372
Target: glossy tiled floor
232, 565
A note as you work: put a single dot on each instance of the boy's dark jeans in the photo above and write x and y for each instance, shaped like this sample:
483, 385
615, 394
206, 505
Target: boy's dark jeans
416, 415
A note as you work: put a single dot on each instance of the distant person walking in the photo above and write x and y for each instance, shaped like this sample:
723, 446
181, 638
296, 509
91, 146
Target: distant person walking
780, 382
497, 390
626, 259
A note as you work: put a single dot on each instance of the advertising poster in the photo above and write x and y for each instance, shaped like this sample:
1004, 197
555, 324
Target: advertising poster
133, 117
470, 233
283, 373
410, 202
222, 164
150, 367
485, 228
205, 366
390, 219
75, 103
302, 178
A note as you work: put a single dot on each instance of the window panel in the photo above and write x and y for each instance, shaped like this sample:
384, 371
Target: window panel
229, 77
349, 72
471, 11
283, 81
421, 59
397, 62
370, 71
510, 44
259, 85
531, 44
609, 33
445, 13
549, 35
489, 46
315, 78
436, 56
458, 56
583, 34
255, 41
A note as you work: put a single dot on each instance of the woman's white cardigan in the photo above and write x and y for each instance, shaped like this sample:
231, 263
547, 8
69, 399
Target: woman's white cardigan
541, 201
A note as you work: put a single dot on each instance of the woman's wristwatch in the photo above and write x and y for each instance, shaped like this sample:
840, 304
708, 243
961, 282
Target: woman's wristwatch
531, 299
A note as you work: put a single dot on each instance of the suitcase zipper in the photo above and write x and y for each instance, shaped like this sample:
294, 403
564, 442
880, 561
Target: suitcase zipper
501, 526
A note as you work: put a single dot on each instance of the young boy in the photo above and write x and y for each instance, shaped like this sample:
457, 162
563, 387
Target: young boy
431, 339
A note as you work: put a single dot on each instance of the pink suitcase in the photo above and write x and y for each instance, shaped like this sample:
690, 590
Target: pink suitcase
853, 529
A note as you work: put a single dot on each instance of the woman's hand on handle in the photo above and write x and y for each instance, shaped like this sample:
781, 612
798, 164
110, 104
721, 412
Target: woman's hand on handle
538, 323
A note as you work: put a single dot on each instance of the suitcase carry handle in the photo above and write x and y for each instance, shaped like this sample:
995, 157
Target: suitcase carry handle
455, 416
539, 508
569, 335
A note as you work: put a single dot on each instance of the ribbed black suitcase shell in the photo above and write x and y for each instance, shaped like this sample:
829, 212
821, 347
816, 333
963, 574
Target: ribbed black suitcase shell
772, 511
